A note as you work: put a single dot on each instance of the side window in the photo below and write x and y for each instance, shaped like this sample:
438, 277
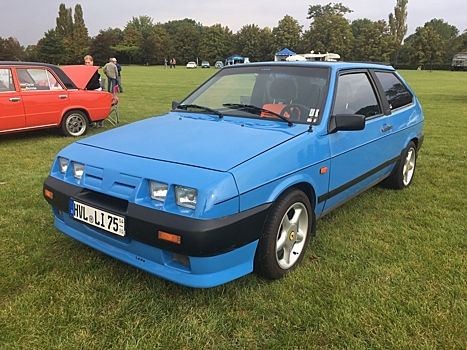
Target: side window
396, 92
34, 79
6, 80
355, 95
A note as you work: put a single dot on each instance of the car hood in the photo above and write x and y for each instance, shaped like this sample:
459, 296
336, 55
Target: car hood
196, 139
80, 75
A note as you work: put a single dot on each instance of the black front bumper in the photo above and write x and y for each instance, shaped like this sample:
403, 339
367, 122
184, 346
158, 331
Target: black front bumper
198, 237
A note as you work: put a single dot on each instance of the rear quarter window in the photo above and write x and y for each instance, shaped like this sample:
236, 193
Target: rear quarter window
396, 92
6, 80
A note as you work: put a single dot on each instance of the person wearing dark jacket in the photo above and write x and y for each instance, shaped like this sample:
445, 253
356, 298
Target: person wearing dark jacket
94, 82
119, 77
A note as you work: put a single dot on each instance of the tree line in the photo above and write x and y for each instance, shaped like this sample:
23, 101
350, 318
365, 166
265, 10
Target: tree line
142, 41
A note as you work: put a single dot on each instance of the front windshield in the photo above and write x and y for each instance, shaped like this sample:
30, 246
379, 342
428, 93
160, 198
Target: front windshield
294, 92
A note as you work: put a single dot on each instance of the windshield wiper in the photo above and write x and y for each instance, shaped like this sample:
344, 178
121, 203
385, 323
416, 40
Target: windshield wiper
256, 110
207, 109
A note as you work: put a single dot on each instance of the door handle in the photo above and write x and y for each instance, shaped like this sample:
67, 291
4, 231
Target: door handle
62, 96
15, 99
386, 128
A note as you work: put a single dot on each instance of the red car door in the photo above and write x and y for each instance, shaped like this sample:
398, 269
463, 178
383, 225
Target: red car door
11, 104
44, 98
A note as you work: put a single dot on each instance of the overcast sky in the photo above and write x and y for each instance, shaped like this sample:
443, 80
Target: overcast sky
28, 20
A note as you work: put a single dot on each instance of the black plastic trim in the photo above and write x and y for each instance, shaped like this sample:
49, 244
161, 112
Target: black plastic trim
198, 237
355, 181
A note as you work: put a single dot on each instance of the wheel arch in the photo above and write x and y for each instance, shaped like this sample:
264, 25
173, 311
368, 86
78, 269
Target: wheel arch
269, 192
80, 109
416, 139
306, 188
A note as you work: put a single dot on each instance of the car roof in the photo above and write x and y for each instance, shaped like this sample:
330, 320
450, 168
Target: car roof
60, 73
335, 65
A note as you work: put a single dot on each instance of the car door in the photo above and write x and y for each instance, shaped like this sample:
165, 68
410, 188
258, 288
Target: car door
11, 104
43, 96
359, 157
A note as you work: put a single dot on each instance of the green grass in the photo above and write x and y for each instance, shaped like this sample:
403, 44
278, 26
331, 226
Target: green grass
386, 270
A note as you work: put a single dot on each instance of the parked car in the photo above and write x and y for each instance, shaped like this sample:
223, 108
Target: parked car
191, 65
459, 61
234, 178
39, 95
205, 64
218, 64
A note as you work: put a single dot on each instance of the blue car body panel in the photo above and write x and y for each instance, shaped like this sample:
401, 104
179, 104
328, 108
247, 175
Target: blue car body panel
210, 148
238, 161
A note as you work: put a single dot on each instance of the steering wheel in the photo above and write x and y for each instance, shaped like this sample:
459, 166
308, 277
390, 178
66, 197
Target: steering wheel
295, 110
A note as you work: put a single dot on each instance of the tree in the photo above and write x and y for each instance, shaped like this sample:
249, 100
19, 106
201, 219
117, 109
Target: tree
130, 46
156, 42
287, 34
156, 46
316, 11
163, 43
80, 35
462, 42
375, 43
186, 44
64, 28
50, 48
358, 25
74, 34
11, 50
329, 30
172, 27
143, 24
247, 42
398, 26
427, 47
214, 44
449, 33
31, 53
101, 46
444, 29
267, 47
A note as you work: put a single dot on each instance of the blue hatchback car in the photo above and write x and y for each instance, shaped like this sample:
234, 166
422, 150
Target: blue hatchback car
234, 177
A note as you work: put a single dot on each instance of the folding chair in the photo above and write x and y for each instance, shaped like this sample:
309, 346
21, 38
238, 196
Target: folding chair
113, 115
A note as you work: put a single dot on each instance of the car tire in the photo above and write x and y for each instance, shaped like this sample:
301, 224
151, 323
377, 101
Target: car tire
285, 236
74, 123
404, 170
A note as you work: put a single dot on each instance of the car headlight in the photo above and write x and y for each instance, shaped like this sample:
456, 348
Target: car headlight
78, 170
63, 163
186, 196
158, 190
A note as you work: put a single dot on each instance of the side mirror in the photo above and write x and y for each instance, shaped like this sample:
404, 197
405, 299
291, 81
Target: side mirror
346, 122
175, 104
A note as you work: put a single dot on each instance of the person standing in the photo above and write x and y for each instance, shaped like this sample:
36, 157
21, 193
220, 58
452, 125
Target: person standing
165, 63
119, 76
94, 82
110, 70
174, 62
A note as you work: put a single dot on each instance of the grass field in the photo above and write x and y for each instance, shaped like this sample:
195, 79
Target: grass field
388, 270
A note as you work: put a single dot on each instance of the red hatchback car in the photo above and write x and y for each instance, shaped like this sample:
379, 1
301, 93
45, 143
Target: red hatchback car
40, 95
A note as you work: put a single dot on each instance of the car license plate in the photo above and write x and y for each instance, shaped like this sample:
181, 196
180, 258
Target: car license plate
99, 218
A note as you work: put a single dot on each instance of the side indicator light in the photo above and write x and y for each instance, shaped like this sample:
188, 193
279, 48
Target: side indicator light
169, 237
49, 194
323, 170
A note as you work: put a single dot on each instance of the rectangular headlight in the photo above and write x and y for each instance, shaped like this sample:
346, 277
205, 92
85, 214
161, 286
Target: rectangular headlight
158, 190
186, 196
78, 170
63, 163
